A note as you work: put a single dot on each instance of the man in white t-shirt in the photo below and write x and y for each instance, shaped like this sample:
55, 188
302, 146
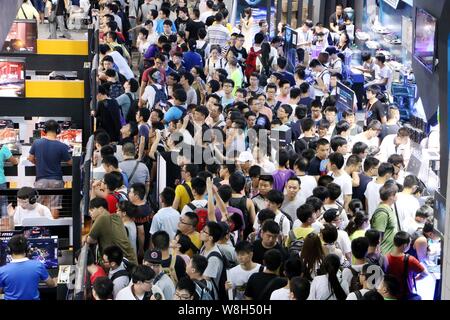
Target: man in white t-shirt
141, 284
395, 144
198, 191
292, 199
341, 178
239, 275
335, 217
308, 183
372, 194
407, 203
167, 218
370, 136
274, 200
119, 60
27, 207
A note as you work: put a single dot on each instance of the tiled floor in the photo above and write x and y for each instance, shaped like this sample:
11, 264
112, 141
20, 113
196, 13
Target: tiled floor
43, 32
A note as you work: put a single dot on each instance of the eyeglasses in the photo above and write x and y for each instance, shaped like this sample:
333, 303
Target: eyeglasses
205, 232
182, 296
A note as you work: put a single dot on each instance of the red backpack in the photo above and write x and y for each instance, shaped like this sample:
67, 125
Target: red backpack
202, 214
250, 62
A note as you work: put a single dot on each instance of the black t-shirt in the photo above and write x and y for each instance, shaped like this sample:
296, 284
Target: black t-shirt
193, 29
358, 192
260, 285
339, 21
182, 25
314, 167
108, 118
180, 266
263, 122
375, 111
303, 143
259, 251
239, 53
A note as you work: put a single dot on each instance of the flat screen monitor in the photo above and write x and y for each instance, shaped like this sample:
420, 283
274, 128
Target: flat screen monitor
22, 37
12, 77
425, 39
5, 236
44, 250
345, 98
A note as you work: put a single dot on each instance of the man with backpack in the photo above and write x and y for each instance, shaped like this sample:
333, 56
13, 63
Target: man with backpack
352, 273
178, 110
199, 203
118, 270
260, 285
275, 200
270, 236
204, 287
142, 116
126, 101
109, 189
370, 277
404, 267
193, 57
239, 51
154, 94
107, 114
153, 259
142, 217
217, 263
173, 265
294, 242
183, 191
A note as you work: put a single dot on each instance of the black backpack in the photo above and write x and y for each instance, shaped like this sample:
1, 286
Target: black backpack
201, 51
124, 273
227, 264
354, 283
205, 292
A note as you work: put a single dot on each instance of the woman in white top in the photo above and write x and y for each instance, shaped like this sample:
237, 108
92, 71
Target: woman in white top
246, 24
214, 62
312, 255
329, 286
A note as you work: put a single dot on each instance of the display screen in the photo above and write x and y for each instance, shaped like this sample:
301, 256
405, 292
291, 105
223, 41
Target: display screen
12, 77
44, 250
424, 46
22, 37
71, 137
345, 98
5, 236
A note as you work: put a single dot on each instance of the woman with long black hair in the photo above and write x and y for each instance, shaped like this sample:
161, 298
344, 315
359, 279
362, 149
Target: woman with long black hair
330, 285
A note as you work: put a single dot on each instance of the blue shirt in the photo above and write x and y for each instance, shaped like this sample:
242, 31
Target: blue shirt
174, 113
192, 59
160, 26
5, 154
48, 156
289, 77
20, 280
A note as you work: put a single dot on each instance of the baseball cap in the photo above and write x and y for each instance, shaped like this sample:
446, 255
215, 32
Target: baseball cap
153, 256
245, 156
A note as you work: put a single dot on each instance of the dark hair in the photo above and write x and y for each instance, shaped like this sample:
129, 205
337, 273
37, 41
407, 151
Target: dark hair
244, 247
161, 240
300, 288
275, 196
98, 203
372, 295
389, 189
385, 168
180, 95
198, 185
324, 181
373, 236
342, 126
103, 287
259, 38
330, 266
271, 226
111, 161
142, 273
359, 147
273, 259
237, 182
265, 214
315, 202
139, 190
187, 284
215, 230
370, 162
357, 222
401, 238
334, 191
359, 247
254, 171
329, 233
168, 196
337, 141
18, 244
312, 254
321, 192
199, 263
304, 212
293, 267
114, 254
392, 285
302, 164
267, 178
337, 159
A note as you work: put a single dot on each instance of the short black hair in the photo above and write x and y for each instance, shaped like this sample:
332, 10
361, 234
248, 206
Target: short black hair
114, 254
139, 189
273, 259
300, 288
401, 238
168, 196
180, 95
187, 284
144, 113
198, 185
359, 147
237, 182
98, 203
337, 159
275, 196
370, 162
373, 236
103, 287
315, 202
254, 171
324, 181
161, 240
334, 191
271, 226
18, 244
265, 214
329, 233
304, 212
244, 247
142, 273
321, 192
215, 230
337, 141
359, 247
111, 161
199, 263
392, 285
385, 168
293, 267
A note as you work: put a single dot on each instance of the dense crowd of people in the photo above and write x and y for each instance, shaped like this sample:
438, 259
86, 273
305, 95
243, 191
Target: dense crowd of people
326, 213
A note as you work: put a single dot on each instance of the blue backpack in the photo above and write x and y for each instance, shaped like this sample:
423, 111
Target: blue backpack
160, 97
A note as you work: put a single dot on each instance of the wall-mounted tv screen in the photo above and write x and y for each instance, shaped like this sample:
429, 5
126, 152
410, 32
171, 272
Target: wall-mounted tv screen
22, 37
12, 77
425, 39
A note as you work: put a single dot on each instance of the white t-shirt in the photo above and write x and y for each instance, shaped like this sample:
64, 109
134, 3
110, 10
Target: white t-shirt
407, 206
347, 274
197, 203
345, 182
131, 229
372, 195
374, 142
308, 183
150, 93
285, 228
387, 148
344, 242
122, 64
126, 294
166, 219
239, 278
321, 290
40, 211
280, 294
411, 226
386, 73
290, 207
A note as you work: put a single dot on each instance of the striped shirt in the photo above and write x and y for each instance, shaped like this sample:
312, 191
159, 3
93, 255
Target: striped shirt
218, 35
